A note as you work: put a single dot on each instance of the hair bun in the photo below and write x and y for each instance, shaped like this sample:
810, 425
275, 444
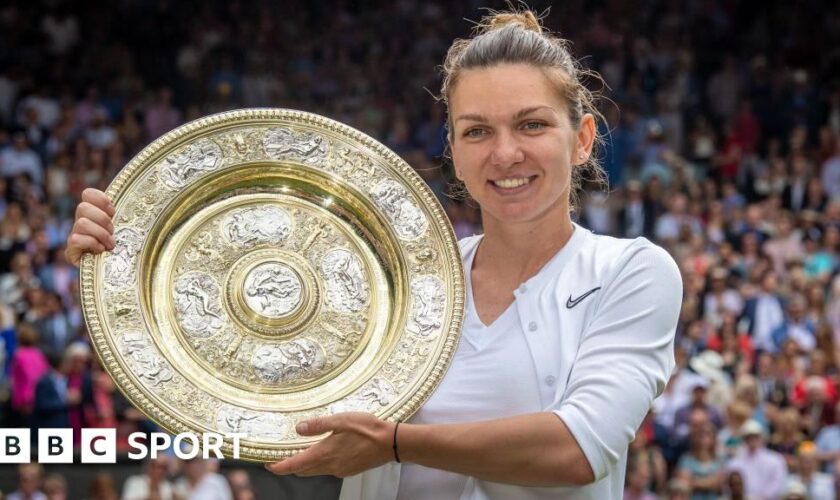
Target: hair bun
525, 18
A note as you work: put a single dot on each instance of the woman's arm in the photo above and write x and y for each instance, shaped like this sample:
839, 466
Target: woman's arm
531, 450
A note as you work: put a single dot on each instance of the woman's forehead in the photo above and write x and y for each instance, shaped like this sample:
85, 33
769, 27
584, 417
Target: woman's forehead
503, 91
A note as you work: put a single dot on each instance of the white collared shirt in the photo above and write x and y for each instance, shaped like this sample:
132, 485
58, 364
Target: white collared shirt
597, 363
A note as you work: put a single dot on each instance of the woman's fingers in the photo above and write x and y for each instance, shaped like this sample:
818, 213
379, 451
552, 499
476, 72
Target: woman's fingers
90, 211
98, 199
88, 227
79, 244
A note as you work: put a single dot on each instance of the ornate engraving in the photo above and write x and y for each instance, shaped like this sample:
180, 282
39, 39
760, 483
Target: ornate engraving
197, 304
427, 295
352, 163
120, 263
347, 287
298, 360
272, 289
255, 225
407, 218
146, 363
255, 425
306, 147
403, 364
198, 158
203, 249
242, 145
373, 396
190, 400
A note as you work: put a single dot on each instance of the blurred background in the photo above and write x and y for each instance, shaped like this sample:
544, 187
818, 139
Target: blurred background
722, 145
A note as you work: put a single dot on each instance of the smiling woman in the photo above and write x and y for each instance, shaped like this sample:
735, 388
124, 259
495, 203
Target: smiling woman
562, 328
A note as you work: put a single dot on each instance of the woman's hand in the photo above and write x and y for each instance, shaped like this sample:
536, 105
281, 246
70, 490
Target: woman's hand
93, 229
359, 441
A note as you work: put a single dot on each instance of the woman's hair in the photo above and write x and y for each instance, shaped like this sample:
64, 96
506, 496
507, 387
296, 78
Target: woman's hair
27, 335
517, 37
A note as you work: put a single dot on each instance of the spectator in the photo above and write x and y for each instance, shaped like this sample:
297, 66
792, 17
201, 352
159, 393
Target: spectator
152, 483
199, 483
729, 438
701, 467
819, 485
721, 300
735, 486
638, 476
240, 485
788, 436
53, 399
764, 471
643, 449
19, 159
698, 402
55, 487
102, 487
679, 489
765, 312
29, 483
796, 327
28, 366
785, 246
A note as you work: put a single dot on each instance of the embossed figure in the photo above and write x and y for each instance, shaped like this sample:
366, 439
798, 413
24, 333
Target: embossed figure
196, 296
376, 393
119, 265
274, 282
298, 360
179, 168
427, 293
145, 361
255, 225
407, 218
256, 425
282, 143
347, 289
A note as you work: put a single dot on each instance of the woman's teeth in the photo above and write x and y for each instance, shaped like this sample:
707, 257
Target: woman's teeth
512, 183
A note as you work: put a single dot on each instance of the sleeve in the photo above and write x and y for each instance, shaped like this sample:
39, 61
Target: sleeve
625, 356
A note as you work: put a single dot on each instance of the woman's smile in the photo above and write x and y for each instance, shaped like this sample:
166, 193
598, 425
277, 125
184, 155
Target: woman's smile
512, 185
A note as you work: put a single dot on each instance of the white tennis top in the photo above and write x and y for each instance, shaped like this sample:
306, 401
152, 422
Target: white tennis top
597, 359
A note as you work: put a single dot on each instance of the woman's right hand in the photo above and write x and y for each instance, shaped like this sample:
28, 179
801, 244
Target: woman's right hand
93, 230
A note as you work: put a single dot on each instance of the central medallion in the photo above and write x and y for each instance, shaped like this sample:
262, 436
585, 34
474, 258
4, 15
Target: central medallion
271, 292
272, 289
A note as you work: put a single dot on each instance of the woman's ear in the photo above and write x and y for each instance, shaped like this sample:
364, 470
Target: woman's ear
585, 139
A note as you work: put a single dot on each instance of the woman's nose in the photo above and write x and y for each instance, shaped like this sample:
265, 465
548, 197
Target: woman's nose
506, 151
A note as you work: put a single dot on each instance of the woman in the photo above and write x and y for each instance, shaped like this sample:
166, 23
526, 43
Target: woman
568, 336
27, 366
701, 467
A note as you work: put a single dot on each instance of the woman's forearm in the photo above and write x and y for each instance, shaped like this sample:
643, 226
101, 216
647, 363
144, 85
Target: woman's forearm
529, 450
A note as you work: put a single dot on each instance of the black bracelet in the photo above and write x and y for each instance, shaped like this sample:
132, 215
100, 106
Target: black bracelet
396, 453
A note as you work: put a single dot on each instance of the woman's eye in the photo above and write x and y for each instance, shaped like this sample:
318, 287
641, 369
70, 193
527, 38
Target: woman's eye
474, 132
533, 125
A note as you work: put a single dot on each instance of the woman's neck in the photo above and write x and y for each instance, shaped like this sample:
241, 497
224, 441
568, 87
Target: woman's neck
521, 250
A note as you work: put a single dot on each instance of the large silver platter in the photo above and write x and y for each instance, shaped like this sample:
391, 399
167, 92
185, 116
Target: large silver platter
273, 266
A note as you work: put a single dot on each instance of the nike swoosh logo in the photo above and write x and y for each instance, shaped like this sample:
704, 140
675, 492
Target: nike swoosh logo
572, 303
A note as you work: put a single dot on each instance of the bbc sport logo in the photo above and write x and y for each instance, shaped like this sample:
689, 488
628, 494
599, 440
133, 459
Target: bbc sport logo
99, 446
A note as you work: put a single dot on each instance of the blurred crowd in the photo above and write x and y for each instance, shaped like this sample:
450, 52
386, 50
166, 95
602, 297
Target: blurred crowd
722, 144
162, 478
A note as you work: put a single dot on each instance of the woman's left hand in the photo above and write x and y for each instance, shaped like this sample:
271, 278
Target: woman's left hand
359, 441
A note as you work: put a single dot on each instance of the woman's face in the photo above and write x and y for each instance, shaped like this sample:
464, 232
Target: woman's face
513, 144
